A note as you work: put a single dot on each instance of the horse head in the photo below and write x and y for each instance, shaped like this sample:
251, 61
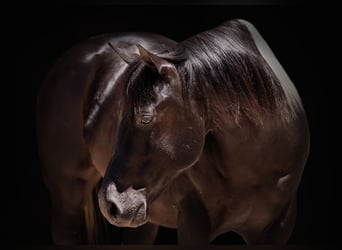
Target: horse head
159, 135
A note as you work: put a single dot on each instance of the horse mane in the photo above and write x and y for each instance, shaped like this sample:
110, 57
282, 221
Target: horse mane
223, 64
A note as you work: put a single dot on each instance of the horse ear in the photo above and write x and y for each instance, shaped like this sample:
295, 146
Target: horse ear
126, 57
164, 67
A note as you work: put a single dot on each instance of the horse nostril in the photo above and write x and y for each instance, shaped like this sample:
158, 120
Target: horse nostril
113, 210
121, 187
137, 187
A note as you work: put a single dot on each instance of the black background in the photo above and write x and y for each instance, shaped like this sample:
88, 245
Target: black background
293, 32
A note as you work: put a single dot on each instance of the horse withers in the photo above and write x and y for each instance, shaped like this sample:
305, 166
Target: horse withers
207, 135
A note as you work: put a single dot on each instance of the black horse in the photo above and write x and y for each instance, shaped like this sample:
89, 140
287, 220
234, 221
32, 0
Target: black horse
207, 136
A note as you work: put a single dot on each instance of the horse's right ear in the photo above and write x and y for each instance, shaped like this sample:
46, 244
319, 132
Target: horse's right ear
126, 57
162, 66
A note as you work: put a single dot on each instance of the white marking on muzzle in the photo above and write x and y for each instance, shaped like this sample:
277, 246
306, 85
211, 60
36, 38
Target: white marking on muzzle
131, 206
128, 197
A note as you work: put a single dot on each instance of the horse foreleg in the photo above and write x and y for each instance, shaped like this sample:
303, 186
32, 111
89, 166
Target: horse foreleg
279, 231
68, 198
193, 224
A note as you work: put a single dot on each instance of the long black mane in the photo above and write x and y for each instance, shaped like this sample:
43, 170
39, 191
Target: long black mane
224, 64
221, 65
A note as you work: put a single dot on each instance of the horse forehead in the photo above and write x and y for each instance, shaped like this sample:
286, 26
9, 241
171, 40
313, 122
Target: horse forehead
163, 91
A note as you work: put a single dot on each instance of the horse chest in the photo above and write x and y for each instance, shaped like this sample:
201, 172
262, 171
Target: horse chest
163, 212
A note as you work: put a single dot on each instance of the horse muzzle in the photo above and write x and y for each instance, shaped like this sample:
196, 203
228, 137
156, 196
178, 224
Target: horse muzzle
125, 209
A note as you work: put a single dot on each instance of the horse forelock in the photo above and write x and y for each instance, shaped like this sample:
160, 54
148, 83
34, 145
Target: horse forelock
140, 86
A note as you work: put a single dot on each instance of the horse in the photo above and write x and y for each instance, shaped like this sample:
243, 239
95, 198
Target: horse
207, 135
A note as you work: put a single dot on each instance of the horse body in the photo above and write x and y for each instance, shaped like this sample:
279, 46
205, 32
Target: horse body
166, 161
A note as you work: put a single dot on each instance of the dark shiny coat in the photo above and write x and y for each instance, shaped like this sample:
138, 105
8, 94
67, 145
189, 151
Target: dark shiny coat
206, 136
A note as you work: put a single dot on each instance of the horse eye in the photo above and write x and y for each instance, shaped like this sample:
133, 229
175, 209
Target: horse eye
146, 118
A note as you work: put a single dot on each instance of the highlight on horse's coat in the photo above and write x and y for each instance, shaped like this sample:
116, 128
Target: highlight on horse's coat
207, 135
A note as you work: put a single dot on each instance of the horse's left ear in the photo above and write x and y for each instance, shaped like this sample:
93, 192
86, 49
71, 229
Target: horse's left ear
164, 67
